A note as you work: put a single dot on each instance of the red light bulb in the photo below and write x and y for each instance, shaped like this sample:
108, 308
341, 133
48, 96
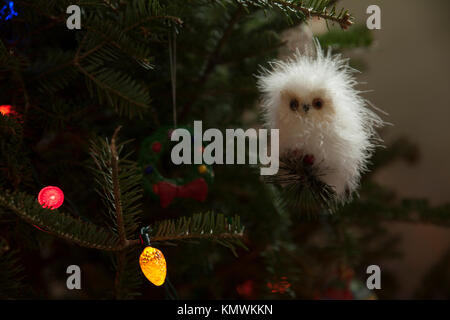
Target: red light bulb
5, 110
51, 197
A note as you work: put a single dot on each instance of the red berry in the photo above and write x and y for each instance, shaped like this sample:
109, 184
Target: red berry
156, 146
308, 159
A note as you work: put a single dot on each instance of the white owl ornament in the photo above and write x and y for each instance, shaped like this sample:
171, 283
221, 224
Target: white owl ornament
313, 101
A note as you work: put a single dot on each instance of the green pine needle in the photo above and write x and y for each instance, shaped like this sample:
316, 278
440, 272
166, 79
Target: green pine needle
208, 226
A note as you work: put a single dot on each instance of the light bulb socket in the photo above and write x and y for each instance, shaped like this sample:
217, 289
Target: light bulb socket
145, 236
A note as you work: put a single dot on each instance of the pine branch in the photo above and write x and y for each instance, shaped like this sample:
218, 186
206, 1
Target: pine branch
111, 37
379, 205
209, 226
119, 181
318, 8
14, 161
10, 60
214, 56
11, 276
117, 89
128, 274
304, 9
358, 36
58, 223
115, 34
302, 187
116, 187
119, 184
213, 59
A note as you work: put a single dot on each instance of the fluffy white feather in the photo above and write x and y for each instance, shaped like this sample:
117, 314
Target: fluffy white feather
313, 101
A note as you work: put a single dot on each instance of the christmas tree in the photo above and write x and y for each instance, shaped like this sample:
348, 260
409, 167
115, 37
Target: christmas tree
86, 178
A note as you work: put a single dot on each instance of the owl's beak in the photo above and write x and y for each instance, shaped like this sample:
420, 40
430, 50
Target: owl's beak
306, 107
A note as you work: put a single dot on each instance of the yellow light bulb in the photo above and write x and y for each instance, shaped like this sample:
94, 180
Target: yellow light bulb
153, 265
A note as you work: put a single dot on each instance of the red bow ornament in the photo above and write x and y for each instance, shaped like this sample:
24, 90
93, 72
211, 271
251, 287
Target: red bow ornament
197, 190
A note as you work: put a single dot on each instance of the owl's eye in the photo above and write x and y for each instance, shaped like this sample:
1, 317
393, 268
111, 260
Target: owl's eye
293, 104
317, 103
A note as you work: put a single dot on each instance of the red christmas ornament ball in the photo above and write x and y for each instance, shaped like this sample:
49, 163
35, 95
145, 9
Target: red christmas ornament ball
51, 197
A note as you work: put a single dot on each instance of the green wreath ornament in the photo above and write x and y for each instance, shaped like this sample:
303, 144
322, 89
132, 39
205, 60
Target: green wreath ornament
194, 184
